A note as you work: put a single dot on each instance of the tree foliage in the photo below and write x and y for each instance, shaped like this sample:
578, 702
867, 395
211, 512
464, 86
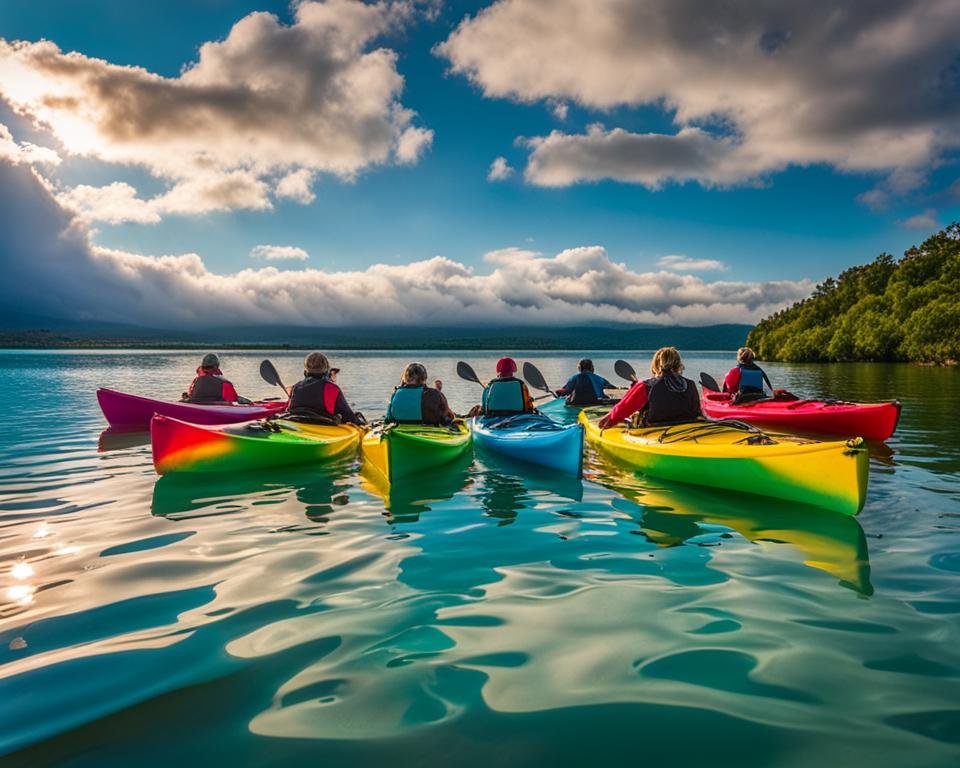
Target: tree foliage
886, 310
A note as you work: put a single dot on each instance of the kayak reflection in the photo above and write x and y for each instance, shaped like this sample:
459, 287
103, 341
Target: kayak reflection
674, 514
320, 491
503, 492
407, 497
114, 440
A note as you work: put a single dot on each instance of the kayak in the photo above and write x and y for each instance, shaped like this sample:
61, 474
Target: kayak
871, 421
737, 457
558, 410
398, 450
130, 413
179, 446
533, 438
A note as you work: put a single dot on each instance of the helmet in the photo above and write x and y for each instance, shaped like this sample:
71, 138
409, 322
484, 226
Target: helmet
506, 366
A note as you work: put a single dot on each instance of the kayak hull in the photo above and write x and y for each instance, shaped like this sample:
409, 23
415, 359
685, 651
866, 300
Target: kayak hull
832, 475
397, 451
534, 439
871, 421
131, 413
179, 446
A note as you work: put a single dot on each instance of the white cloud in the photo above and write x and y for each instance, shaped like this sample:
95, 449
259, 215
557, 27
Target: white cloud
115, 203
679, 263
499, 170
752, 87
24, 151
926, 220
297, 185
560, 109
316, 96
50, 266
279, 253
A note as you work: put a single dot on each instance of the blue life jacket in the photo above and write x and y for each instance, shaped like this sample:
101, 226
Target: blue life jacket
503, 397
751, 379
406, 405
587, 389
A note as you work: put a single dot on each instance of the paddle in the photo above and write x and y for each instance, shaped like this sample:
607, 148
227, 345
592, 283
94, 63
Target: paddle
269, 374
465, 372
624, 370
708, 382
535, 379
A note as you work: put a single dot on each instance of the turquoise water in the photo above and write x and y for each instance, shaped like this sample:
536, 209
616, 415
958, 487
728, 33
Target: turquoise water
496, 615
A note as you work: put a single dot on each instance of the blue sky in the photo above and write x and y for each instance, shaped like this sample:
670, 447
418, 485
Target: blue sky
754, 197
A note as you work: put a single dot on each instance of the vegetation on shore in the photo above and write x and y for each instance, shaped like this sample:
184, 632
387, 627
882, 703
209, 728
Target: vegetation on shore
885, 311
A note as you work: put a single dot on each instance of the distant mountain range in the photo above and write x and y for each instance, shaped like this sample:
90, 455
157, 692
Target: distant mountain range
31, 332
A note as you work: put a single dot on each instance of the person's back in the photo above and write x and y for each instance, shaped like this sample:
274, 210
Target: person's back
210, 387
746, 378
317, 395
413, 402
585, 387
671, 399
506, 395
666, 398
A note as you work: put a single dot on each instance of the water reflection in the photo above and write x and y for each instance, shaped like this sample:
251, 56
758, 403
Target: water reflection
673, 515
509, 487
111, 440
404, 501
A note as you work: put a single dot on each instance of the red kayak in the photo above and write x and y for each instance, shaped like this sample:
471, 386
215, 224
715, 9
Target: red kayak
872, 421
130, 413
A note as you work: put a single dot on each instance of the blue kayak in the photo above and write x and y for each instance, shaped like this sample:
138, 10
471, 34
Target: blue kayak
534, 438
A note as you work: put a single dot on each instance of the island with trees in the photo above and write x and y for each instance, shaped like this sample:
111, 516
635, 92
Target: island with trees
889, 310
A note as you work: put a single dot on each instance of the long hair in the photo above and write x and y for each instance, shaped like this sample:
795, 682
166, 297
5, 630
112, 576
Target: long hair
666, 359
415, 373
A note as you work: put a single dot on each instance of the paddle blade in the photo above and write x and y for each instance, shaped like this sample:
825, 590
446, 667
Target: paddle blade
269, 374
624, 370
534, 378
708, 382
464, 371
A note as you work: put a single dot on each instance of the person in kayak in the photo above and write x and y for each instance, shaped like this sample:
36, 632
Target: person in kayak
210, 387
745, 380
413, 402
317, 395
666, 398
505, 395
585, 387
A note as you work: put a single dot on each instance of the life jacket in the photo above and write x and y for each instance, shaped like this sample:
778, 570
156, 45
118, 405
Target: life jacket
503, 397
751, 379
313, 395
583, 393
207, 390
406, 405
670, 400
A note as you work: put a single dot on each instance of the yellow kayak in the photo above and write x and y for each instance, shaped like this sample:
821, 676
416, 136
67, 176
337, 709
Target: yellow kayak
832, 475
399, 450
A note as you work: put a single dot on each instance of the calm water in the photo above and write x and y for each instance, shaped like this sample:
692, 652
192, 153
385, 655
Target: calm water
491, 616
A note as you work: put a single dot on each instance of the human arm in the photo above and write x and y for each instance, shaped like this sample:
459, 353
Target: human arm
336, 403
528, 405
731, 382
766, 379
633, 401
567, 388
230, 392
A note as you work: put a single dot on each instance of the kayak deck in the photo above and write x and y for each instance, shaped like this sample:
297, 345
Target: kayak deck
399, 450
735, 457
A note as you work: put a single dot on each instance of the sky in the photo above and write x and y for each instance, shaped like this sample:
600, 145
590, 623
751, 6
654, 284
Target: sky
427, 162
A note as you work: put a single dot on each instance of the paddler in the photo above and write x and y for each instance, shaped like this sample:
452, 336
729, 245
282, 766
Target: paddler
210, 387
585, 387
318, 394
666, 398
746, 378
413, 402
506, 395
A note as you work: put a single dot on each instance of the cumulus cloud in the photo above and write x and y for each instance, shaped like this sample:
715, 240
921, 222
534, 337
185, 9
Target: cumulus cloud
926, 220
752, 87
265, 108
279, 253
679, 263
24, 152
51, 266
499, 170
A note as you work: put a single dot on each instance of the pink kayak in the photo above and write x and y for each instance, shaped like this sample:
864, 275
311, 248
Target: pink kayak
872, 421
130, 412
